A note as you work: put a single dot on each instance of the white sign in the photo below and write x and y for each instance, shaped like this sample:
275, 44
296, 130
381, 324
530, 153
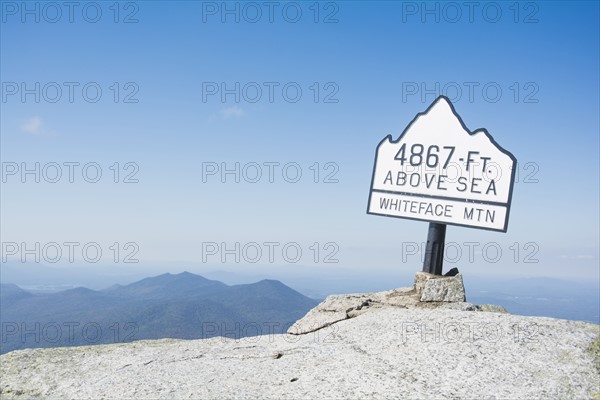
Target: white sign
439, 171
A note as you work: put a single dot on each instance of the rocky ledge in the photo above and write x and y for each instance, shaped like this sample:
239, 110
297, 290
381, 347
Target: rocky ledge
428, 291
412, 343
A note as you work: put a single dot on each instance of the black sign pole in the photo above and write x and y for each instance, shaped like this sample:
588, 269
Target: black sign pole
434, 251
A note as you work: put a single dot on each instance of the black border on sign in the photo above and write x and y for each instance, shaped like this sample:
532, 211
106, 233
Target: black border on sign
487, 134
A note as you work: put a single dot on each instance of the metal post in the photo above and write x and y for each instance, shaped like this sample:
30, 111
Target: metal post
434, 251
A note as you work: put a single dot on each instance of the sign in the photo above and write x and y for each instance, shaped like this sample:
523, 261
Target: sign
439, 171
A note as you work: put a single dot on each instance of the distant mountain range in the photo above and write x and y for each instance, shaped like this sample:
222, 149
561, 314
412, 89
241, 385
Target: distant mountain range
184, 306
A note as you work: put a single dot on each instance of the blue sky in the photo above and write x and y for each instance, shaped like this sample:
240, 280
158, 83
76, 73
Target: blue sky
365, 60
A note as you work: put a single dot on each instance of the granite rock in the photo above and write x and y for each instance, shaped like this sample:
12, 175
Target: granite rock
444, 288
428, 291
387, 352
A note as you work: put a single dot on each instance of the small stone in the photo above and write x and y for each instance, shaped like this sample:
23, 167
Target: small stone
420, 279
448, 289
491, 308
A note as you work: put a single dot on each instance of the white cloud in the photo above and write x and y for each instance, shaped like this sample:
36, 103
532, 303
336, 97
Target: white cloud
232, 112
33, 126
36, 127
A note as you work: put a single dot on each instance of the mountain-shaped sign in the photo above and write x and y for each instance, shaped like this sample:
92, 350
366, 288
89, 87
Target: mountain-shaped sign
439, 171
